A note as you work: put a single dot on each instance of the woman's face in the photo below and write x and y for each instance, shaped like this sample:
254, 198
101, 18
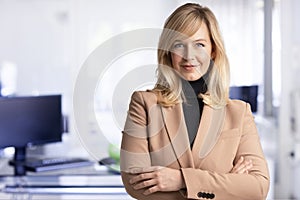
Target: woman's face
191, 56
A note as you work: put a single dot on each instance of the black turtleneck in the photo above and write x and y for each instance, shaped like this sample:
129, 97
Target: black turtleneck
193, 106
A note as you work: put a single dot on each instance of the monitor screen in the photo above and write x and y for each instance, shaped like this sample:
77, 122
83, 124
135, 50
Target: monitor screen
27, 121
31, 120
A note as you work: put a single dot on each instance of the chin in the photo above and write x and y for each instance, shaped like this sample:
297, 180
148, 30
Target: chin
192, 78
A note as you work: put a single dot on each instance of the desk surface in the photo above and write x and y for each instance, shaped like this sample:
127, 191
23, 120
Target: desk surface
92, 181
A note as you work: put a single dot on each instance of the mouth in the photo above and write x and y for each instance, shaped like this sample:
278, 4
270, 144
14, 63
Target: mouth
189, 67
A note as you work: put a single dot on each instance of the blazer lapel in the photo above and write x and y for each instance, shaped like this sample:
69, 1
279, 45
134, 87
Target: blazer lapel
211, 123
176, 129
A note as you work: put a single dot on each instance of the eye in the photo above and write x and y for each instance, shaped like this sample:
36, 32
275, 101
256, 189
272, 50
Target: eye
178, 45
198, 44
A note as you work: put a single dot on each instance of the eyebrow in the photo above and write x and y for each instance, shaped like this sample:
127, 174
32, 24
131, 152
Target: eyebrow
200, 40
177, 41
197, 40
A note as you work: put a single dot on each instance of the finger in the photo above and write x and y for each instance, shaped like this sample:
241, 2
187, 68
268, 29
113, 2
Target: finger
145, 184
237, 165
151, 169
241, 169
139, 170
245, 167
141, 177
249, 165
135, 170
240, 161
151, 190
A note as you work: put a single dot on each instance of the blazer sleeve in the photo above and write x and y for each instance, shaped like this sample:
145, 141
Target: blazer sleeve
135, 151
252, 186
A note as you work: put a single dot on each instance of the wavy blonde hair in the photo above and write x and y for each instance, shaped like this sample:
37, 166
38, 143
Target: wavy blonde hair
186, 20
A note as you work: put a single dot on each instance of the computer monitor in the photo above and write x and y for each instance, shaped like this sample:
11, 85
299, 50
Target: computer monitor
27, 121
245, 93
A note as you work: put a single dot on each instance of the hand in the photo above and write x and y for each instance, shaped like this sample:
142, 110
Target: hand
242, 166
157, 178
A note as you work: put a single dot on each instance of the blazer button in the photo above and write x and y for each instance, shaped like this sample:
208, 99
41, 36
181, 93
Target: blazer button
200, 194
206, 195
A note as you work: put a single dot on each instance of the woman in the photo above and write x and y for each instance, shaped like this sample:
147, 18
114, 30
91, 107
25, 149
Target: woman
185, 139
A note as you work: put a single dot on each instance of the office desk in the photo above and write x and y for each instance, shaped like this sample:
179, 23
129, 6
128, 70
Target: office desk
92, 182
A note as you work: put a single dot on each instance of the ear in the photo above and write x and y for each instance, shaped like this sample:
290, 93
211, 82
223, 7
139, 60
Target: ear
213, 54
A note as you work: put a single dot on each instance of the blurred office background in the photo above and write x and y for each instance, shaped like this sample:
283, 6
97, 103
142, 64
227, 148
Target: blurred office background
44, 43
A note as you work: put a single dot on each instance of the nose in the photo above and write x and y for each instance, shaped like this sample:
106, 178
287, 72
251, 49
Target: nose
189, 53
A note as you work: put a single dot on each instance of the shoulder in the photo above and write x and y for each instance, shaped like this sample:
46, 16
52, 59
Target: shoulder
238, 112
237, 106
144, 97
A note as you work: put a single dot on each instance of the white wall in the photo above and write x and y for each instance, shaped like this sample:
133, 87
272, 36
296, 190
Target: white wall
49, 40
35, 35
289, 168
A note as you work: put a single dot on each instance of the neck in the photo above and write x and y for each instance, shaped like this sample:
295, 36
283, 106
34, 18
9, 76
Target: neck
199, 86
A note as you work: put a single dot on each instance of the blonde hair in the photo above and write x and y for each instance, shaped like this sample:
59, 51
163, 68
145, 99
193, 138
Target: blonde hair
186, 20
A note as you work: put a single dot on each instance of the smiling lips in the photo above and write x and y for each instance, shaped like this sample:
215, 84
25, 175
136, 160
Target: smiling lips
189, 67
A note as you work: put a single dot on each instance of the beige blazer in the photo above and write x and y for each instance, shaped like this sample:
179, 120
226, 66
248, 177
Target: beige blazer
157, 136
